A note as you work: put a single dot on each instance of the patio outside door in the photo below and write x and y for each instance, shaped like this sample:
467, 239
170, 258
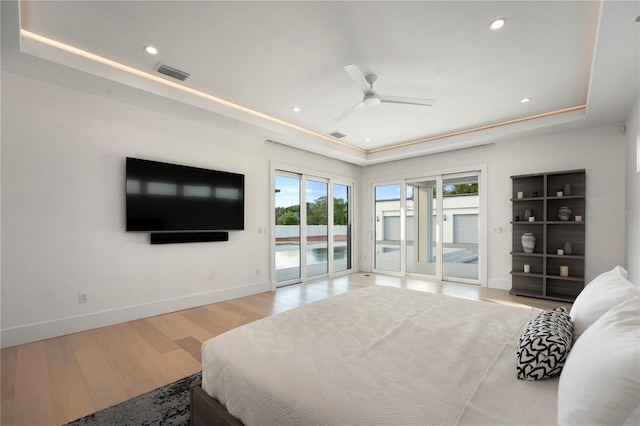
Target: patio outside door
287, 239
317, 196
387, 228
319, 244
461, 226
423, 252
429, 226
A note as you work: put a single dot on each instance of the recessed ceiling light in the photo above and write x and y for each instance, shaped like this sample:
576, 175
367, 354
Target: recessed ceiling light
295, 109
151, 50
497, 24
525, 100
367, 139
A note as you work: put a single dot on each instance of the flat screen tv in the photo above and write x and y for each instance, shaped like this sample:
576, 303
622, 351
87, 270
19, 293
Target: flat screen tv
172, 197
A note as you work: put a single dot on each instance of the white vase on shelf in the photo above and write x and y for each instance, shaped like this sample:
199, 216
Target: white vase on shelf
528, 242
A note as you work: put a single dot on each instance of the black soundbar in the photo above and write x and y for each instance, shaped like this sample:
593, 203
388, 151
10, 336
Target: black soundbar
187, 237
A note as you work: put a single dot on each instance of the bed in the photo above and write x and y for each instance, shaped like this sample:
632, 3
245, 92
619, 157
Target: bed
374, 356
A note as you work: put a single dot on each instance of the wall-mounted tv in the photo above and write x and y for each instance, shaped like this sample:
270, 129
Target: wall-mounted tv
172, 197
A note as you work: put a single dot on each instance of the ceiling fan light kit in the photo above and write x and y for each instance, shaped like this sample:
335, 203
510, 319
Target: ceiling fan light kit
371, 98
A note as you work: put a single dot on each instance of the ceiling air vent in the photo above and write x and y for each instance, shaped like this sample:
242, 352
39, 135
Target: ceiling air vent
337, 135
172, 72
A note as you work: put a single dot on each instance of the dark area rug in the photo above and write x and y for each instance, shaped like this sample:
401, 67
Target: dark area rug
168, 405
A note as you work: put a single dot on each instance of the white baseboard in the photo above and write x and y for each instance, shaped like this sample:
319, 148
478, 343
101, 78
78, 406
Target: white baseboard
500, 284
60, 327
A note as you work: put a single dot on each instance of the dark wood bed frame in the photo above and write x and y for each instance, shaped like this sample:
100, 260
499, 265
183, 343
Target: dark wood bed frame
207, 411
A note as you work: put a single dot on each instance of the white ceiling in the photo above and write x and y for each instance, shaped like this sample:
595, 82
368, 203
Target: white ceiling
271, 56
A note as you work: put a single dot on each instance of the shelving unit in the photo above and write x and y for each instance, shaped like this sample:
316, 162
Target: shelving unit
540, 197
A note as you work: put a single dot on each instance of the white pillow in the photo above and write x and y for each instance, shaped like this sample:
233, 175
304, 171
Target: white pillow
603, 293
600, 381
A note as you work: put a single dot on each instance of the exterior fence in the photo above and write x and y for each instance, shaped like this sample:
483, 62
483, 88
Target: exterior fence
290, 233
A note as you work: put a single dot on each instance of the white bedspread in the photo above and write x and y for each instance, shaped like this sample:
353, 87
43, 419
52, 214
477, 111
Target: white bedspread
378, 356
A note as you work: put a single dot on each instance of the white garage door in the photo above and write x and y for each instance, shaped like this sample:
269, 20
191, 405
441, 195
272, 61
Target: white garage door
465, 228
391, 228
409, 226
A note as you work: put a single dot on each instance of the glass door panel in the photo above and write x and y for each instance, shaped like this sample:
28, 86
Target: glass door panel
287, 229
317, 195
312, 235
387, 228
341, 228
422, 227
461, 212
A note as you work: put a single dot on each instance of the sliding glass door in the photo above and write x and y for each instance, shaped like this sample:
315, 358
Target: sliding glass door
319, 244
387, 228
341, 227
317, 261
423, 253
287, 220
430, 226
461, 210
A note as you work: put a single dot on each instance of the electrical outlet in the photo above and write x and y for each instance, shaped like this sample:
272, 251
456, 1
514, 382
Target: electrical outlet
83, 297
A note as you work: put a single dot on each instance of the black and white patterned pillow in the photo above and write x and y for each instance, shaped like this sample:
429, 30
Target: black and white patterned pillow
544, 345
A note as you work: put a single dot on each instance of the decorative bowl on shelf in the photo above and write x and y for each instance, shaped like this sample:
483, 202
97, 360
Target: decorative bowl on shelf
564, 213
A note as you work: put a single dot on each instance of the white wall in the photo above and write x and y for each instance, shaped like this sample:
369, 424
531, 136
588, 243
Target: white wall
632, 209
63, 225
63, 207
599, 150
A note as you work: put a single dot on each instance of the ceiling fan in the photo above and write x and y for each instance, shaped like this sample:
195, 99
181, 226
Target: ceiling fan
371, 98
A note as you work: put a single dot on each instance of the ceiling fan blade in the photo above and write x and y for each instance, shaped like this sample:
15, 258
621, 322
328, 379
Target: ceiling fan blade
357, 76
408, 101
348, 112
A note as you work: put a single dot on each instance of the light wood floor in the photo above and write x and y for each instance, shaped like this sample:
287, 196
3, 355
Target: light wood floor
54, 381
